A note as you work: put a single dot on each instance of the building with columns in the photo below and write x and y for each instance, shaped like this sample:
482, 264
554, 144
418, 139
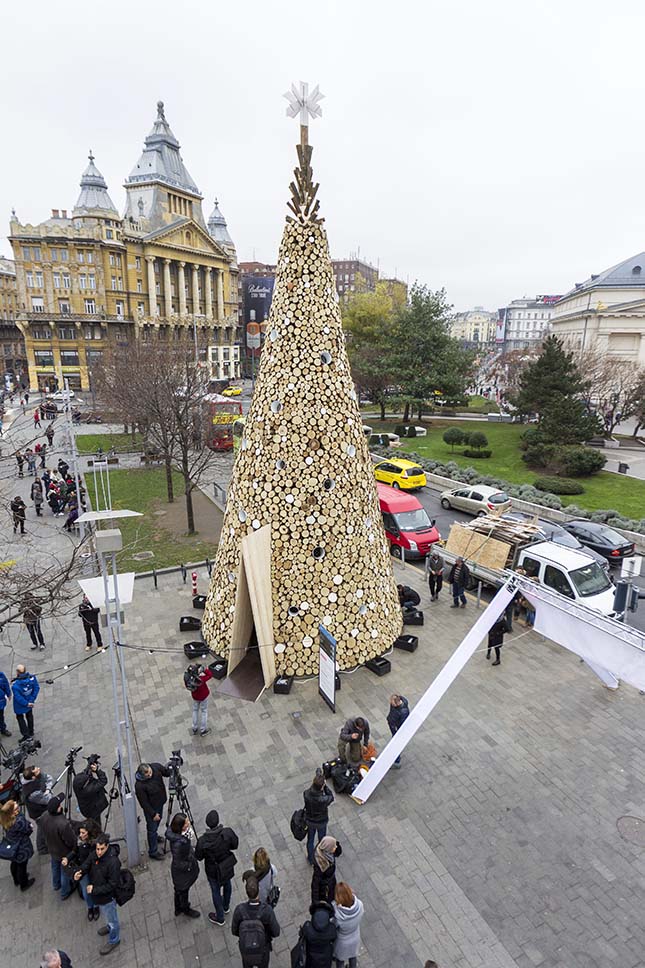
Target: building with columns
95, 274
475, 326
12, 348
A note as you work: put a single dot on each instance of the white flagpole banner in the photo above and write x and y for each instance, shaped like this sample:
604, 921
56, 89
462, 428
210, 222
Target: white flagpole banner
433, 694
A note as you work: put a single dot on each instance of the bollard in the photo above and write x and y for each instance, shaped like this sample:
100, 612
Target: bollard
154, 577
209, 566
193, 579
184, 573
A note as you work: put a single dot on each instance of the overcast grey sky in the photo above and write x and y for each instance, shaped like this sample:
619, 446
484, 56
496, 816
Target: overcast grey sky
492, 148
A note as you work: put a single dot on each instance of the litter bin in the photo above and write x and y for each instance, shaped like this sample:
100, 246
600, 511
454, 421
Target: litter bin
622, 468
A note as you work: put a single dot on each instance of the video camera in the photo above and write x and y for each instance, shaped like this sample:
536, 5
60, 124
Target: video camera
93, 758
175, 761
71, 756
15, 759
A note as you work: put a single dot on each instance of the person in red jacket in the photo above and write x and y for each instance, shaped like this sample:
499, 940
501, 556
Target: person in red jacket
200, 701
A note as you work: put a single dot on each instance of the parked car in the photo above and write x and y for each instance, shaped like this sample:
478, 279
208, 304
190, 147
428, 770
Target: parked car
601, 538
408, 528
402, 474
232, 391
556, 533
476, 499
60, 395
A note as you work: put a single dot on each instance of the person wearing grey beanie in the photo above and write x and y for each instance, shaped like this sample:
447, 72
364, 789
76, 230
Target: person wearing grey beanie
215, 848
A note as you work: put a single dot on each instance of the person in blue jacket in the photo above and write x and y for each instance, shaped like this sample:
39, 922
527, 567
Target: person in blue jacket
397, 715
5, 693
25, 688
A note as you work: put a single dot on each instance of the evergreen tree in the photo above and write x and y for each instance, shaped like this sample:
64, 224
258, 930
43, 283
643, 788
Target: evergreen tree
548, 379
565, 420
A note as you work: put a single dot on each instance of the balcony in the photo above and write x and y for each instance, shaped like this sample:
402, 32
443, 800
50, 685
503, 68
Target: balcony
98, 317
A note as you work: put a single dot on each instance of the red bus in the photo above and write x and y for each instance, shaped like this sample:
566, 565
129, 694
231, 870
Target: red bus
219, 415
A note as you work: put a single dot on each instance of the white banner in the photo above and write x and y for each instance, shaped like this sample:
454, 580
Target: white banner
433, 694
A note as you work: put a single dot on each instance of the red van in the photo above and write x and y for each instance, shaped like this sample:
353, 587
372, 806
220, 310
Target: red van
408, 528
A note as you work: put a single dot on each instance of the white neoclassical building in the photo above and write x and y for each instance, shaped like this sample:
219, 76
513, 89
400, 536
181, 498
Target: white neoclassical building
607, 312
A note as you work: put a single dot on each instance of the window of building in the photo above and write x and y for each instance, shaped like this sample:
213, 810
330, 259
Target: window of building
94, 356
158, 288
139, 285
26, 253
141, 308
36, 253
57, 280
137, 262
114, 282
67, 280
39, 280
119, 308
82, 282
41, 333
64, 255
91, 280
120, 282
63, 307
44, 357
90, 256
90, 307
80, 255
109, 234
37, 304
69, 357
30, 280
112, 259
54, 255
66, 332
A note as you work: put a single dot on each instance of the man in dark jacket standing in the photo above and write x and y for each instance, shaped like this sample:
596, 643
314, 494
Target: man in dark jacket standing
397, 714
5, 693
19, 511
36, 794
318, 798
31, 614
25, 689
89, 787
254, 948
104, 867
60, 839
320, 934
216, 847
436, 565
90, 616
459, 577
150, 791
355, 733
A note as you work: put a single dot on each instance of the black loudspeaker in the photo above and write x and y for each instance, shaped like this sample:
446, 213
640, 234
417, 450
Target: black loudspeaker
199, 601
408, 643
189, 623
379, 666
218, 667
337, 681
196, 650
283, 684
412, 616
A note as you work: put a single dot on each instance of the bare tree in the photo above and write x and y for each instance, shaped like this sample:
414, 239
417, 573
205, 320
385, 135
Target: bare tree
616, 387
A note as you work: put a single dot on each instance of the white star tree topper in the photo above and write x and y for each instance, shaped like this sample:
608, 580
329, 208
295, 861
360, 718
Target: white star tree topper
303, 103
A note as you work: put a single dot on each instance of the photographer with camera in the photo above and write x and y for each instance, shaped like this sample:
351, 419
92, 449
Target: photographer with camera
318, 798
60, 839
89, 787
195, 679
36, 789
5, 693
150, 791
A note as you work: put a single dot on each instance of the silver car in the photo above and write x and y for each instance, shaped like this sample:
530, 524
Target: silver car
477, 499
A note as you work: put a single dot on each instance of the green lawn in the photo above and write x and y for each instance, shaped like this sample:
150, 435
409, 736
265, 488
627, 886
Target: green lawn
602, 491
145, 491
122, 443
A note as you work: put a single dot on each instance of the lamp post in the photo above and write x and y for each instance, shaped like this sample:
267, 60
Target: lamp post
72, 444
114, 596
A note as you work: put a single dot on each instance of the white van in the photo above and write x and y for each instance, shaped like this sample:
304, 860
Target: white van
570, 572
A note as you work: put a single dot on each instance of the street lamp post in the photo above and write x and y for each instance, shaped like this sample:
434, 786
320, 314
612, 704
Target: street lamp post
72, 444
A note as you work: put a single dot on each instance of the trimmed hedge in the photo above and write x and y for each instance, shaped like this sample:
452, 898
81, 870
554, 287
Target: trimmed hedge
477, 453
559, 485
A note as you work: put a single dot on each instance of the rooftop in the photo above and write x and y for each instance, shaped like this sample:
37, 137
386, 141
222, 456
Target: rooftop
160, 160
94, 198
625, 274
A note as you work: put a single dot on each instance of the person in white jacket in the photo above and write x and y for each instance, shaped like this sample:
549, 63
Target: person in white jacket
348, 911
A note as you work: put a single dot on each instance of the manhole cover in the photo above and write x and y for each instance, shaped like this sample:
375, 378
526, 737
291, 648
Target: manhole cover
632, 829
143, 555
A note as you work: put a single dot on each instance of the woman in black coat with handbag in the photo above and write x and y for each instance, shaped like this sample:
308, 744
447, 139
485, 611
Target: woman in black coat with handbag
323, 882
496, 638
17, 835
184, 869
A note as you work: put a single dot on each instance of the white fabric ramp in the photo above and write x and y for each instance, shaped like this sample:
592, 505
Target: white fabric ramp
433, 694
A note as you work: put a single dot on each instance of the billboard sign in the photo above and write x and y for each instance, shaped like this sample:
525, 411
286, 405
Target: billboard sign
257, 292
327, 667
547, 300
500, 329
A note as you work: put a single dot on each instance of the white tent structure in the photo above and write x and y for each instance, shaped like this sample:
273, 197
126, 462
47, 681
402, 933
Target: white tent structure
612, 650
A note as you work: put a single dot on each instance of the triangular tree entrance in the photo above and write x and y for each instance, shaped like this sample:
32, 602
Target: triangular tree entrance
303, 470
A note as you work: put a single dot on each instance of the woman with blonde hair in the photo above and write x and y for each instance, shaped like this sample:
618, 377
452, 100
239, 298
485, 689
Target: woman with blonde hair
264, 872
17, 840
348, 911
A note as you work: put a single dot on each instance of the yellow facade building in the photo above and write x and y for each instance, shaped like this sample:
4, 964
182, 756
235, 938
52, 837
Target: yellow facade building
96, 274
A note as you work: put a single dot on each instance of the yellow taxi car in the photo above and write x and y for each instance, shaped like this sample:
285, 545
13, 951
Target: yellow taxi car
403, 474
232, 391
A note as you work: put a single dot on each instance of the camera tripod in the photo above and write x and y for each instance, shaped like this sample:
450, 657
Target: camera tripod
116, 791
177, 791
69, 773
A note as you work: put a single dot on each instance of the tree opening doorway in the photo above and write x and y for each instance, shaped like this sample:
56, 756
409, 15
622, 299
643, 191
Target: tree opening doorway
251, 660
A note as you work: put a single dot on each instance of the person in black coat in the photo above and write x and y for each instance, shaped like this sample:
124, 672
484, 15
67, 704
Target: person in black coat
496, 638
184, 869
89, 787
255, 910
103, 868
318, 798
458, 579
90, 617
323, 881
216, 847
17, 831
150, 791
397, 714
320, 934
87, 834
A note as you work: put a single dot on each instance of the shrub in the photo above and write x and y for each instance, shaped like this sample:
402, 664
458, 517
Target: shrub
401, 430
538, 454
453, 437
477, 453
558, 485
477, 440
579, 461
530, 437
412, 431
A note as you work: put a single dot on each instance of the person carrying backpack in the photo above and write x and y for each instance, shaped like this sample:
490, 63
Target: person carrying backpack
319, 935
104, 869
216, 847
256, 926
318, 798
196, 680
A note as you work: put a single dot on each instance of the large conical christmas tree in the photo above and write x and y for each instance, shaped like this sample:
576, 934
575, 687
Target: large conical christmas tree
303, 468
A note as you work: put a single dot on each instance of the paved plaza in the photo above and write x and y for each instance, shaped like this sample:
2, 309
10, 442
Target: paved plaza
495, 846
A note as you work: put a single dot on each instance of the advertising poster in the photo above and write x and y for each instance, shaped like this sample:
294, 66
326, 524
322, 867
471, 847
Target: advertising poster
327, 667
